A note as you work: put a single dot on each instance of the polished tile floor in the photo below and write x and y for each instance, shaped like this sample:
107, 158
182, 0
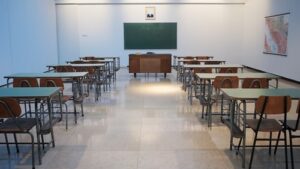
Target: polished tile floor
142, 123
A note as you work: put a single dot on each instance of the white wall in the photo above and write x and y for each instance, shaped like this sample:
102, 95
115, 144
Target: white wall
255, 11
6, 60
202, 29
28, 36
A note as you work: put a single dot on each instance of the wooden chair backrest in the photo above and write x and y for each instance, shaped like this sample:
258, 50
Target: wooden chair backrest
189, 57
202, 57
228, 70
273, 104
192, 62
226, 82
9, 108
213, 62
25, 82
51, 82
77, 62
202, 70
95, 61
64, 69
89, 58
255, 83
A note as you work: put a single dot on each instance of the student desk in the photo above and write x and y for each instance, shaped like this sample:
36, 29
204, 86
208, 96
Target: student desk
209, 77
175, 60
180, 61
115, 59
113, 63
104, 65
108, 65
36, 93
250, 94
74, 75
187, 69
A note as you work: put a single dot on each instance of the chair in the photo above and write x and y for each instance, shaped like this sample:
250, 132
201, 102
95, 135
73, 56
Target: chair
210, 98
213, 62
89, 58
57, 82
255, 83
89, 80
195, 85
101, 80
269, 105
192, 62
94, 62
77, 62
189, 57
26, 82
224, 82
228, 70
187, 75
64, 68
202, 57
292, 126
10, 110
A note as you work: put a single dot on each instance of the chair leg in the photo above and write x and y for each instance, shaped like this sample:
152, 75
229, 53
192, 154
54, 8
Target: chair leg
43, 142
239, 145
291, 149
285, 150
253, 149
7, 145
222, 104
16, 143
66, 116
81, 105
278, 138
270, 143
202, 113
32, 150
39, 146
75, 112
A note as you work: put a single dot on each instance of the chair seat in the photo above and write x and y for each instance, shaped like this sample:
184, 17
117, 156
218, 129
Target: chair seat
24, 125
267, 125
79, 99
292, 124
63, 98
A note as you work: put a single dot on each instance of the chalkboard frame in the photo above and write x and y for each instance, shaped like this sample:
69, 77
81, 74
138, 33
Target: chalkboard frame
155, 35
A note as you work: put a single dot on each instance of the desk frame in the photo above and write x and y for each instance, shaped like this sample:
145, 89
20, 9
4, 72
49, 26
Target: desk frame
251, 94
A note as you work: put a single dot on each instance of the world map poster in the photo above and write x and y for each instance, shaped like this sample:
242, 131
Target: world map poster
276, 32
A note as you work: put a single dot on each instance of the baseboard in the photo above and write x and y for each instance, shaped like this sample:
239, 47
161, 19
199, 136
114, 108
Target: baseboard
285, 78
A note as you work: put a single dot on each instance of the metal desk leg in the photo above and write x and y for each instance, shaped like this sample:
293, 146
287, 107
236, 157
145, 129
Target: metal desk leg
232, 110
50, 121
244, 133
38, 132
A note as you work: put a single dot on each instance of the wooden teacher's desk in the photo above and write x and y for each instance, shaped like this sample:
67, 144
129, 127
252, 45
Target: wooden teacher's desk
150, 63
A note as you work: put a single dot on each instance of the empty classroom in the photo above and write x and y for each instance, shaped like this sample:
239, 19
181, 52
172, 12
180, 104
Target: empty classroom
140, 84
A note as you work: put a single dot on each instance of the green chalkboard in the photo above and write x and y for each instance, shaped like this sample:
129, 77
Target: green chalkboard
150, 35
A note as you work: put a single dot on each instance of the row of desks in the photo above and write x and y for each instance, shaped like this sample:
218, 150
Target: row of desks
47, 93
238, 94
186, 70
